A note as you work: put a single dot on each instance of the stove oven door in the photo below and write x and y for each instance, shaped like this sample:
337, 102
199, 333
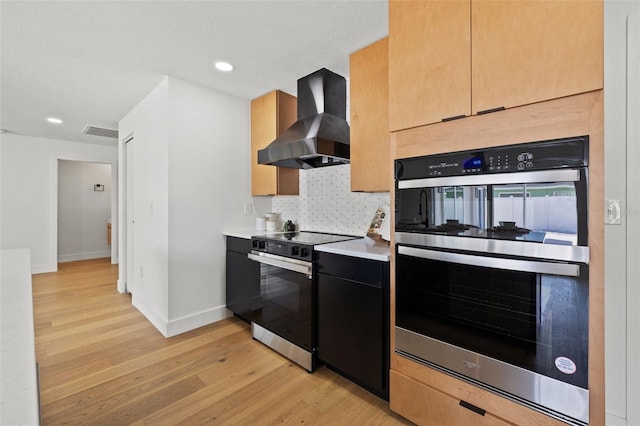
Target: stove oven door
282, 315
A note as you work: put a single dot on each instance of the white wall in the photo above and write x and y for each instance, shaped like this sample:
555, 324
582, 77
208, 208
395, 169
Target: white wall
622, 180
28, 192
83, 213
192, 177
148, 284
209, 180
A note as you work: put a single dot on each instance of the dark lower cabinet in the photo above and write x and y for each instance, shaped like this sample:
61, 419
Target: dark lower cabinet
243, 278
353, 319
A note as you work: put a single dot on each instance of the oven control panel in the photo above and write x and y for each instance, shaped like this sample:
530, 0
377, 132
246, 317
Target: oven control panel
559, 153
285, 249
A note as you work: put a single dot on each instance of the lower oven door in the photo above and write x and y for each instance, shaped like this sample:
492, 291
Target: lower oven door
282, 315
515, 326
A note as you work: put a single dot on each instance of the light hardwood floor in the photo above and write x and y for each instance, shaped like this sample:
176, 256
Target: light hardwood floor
102, 363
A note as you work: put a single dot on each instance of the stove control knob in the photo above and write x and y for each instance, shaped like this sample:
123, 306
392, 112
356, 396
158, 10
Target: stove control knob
304, 252
295, 250
262, 245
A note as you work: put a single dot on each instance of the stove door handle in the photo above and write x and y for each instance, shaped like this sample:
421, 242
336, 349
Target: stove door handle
280, 262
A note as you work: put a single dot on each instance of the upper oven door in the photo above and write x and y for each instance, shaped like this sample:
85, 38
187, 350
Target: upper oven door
548, 206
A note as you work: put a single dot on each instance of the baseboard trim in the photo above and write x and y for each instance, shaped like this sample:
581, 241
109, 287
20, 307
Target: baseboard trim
43, 269
84, 256
180, 325
150, 313
199, 319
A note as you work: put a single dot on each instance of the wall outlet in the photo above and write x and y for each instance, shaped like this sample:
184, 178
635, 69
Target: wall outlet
140, 271
248, 208
612, 212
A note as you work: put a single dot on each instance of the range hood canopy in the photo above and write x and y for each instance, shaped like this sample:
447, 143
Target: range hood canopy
320, 137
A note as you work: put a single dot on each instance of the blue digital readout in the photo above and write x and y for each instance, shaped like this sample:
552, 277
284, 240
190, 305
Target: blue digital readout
473, 163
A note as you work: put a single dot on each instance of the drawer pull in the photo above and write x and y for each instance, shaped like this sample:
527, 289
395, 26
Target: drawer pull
455, 117
472, 407
488, 111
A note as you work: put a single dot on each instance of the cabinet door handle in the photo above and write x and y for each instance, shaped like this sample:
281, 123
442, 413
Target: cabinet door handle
490, 110
455, 117
472, 407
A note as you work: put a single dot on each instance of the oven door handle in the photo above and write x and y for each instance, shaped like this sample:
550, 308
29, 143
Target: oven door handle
538, 176
282, 262
549, 268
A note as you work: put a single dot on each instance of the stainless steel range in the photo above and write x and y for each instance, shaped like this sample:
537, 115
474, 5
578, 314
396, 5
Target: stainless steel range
284, 315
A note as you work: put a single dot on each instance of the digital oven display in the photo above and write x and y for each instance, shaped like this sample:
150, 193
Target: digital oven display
476, 162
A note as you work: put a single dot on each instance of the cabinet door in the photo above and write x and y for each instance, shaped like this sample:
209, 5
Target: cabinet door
242, 283
369, 110
429, 62
528, 51
350, 329
271, 114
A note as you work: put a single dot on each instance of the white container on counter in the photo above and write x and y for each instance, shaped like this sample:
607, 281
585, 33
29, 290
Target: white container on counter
272, 225
261, 223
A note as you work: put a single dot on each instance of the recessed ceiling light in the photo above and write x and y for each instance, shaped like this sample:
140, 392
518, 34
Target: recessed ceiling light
54, 120
223, 66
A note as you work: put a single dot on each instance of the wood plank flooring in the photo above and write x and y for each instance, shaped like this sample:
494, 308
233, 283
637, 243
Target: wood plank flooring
102, 363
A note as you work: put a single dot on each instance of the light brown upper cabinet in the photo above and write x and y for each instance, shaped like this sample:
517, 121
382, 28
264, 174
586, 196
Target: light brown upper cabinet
369, 118
271, 115
530, 51
429, 62
454, 58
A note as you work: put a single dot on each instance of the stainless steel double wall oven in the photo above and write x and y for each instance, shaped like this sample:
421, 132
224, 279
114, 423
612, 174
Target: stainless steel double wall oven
492, 281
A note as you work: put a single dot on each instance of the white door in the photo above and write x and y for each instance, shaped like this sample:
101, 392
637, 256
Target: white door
130, 213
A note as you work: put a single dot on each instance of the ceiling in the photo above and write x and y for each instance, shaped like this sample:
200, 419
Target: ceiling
91, 62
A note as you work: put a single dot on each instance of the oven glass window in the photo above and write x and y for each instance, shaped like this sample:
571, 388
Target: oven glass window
542, 212
548, 208
525, 319
284, 305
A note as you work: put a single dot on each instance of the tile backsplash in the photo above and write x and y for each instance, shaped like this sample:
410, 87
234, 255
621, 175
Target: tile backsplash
326, 203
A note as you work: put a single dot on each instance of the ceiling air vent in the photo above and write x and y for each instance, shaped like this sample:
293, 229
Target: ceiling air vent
99, 131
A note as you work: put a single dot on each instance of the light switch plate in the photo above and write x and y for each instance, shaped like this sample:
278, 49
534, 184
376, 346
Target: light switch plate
248, 208
612, 212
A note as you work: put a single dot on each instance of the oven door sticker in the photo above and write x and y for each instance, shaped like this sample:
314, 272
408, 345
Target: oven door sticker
565, 365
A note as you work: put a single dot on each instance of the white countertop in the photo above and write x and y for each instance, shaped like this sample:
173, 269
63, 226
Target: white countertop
365, 248
18, 378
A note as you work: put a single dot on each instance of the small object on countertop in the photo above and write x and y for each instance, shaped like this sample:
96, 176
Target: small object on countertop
289, 226
261, 223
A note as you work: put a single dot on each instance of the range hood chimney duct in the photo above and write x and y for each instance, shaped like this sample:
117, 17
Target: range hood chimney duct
320, 137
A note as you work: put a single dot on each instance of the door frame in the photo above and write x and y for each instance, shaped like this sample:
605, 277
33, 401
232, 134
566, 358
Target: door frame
54, 202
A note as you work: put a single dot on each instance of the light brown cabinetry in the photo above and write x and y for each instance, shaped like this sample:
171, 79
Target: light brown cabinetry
271, 114
429, 62
449, 59
529, 51
417, 402
369, 94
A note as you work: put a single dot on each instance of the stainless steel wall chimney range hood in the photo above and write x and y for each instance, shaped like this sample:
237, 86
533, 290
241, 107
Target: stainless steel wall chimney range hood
320, 137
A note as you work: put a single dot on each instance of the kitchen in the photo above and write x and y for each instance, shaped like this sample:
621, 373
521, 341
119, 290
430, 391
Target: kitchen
182, 249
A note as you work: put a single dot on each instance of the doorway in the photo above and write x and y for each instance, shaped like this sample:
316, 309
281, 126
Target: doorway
111, 198
84, 210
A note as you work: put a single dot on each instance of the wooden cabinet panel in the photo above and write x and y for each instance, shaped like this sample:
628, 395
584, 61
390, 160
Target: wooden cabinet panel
530, 51
429, 62
425, 405
271, 114
369, 112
